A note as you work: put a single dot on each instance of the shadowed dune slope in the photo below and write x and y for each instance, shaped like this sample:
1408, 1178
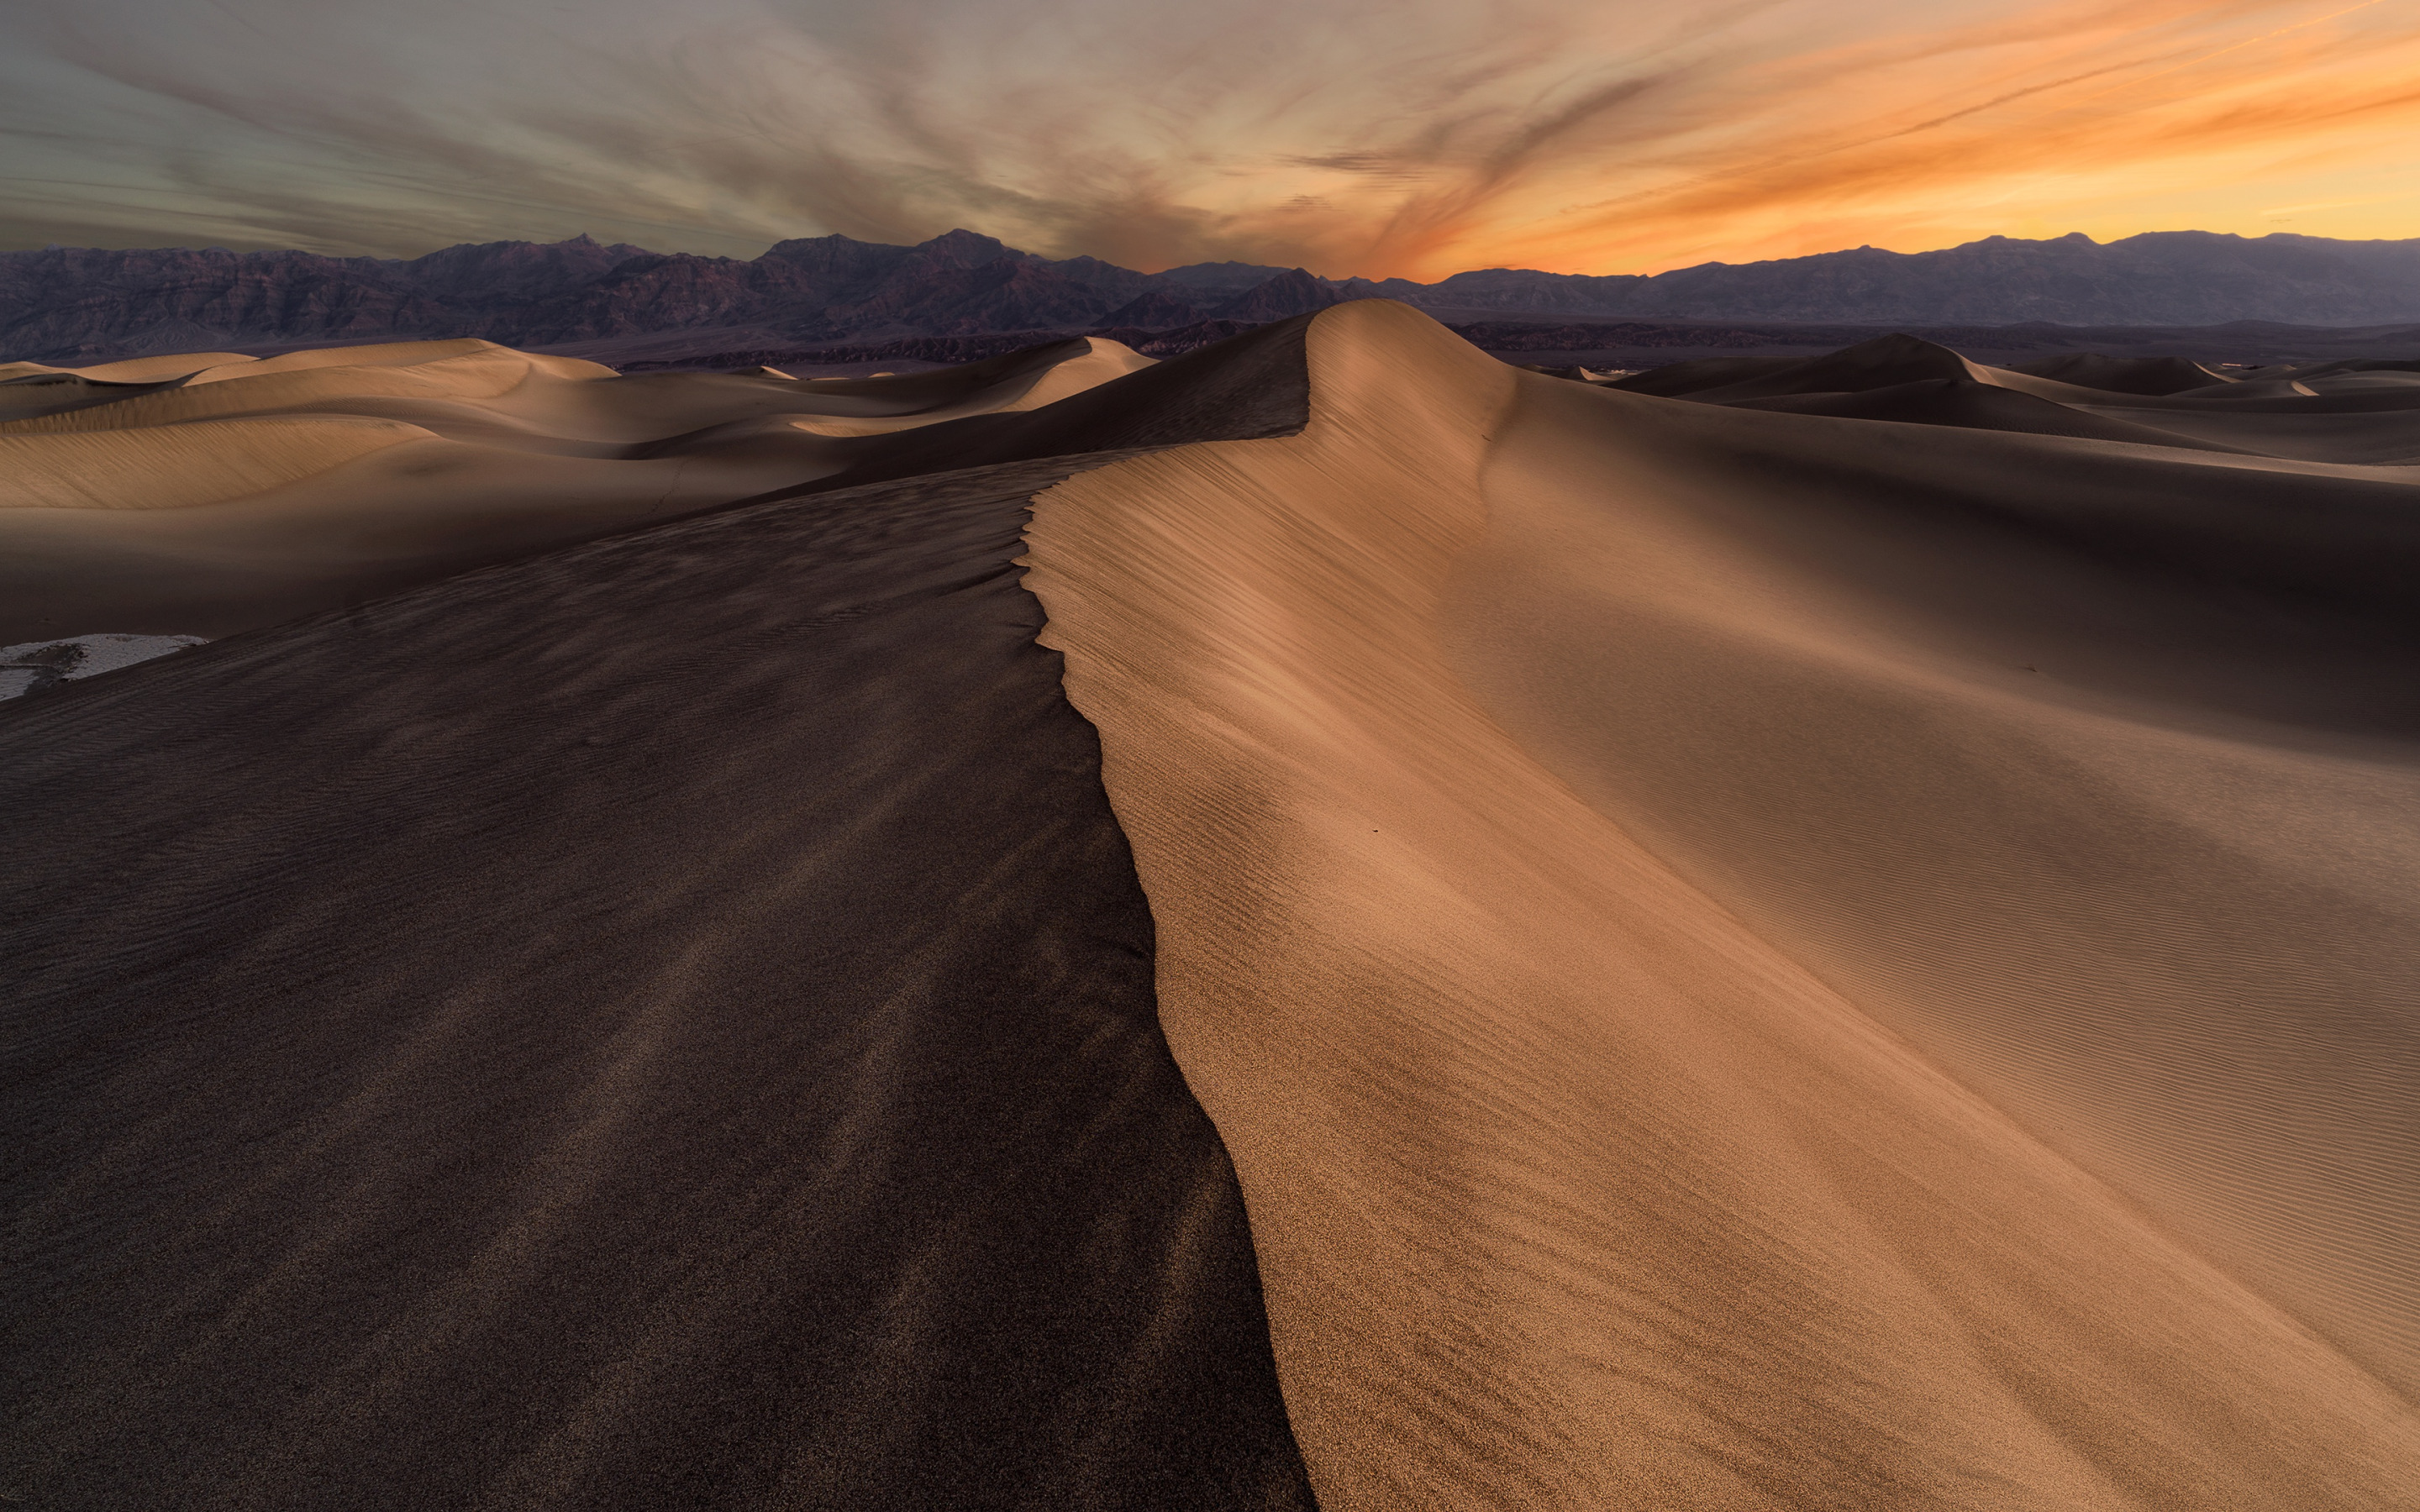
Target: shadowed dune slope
2399, 369
243, 492
1592, 907
665, 1023
2365, 414
1246, 386
1675, 380
1977, 407
27, 392
1884, 363
2380, 438
2123, 375
2369, 415
2247, 390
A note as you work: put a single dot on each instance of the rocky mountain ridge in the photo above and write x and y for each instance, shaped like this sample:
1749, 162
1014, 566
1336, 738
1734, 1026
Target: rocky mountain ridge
67, 304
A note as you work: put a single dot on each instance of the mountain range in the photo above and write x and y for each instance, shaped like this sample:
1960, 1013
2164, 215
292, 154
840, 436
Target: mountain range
70, 303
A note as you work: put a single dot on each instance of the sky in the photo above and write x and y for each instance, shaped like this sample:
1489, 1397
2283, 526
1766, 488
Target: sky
1409, 138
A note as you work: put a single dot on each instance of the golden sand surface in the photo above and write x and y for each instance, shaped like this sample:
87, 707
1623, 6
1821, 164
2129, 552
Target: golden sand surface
1740, 967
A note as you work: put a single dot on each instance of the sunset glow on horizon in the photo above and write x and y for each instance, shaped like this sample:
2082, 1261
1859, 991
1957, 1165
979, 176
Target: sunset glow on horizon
1414, 139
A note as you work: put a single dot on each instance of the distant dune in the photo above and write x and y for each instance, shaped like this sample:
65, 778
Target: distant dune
222, 493
1781, 933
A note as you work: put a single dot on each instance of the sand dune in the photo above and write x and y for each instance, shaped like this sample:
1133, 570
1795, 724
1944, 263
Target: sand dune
1779, 933
277, 487
1697, 1025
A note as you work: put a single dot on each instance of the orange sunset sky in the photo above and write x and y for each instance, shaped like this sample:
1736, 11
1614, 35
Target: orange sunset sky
1413, 138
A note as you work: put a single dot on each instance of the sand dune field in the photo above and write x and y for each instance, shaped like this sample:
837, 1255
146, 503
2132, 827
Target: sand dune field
153, 496
1778, 934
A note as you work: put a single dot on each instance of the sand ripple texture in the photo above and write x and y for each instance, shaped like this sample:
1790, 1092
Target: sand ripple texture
1787, 960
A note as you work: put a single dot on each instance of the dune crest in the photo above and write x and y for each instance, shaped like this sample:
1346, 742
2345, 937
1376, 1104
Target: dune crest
1571, 1188
164, 368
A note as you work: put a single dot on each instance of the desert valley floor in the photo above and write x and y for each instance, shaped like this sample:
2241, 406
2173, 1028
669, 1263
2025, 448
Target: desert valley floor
1327, 921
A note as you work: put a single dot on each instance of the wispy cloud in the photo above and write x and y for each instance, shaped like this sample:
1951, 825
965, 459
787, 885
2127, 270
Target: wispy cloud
1377, 136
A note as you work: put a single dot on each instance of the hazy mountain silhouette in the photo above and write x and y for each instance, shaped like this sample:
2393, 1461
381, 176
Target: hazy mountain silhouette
68, 303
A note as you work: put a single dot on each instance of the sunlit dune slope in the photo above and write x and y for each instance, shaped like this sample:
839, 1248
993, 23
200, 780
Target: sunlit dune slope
2094, 772
1771, 961
176, 467
213, 494
159, 369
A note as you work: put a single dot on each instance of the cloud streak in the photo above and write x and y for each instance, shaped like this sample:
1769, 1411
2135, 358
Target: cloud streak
1413, 137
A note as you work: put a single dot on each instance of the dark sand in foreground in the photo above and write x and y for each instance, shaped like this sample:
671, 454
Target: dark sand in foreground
669, 1024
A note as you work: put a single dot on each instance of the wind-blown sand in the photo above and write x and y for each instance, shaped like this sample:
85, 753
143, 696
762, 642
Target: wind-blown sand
1608, 853
1779, 934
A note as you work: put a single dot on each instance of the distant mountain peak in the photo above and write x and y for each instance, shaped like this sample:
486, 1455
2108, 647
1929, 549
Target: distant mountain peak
963, 248
1220, 277
1295, 291
1156, 309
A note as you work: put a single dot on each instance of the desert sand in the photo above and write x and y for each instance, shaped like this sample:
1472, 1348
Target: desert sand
1752, 960
1779, 934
